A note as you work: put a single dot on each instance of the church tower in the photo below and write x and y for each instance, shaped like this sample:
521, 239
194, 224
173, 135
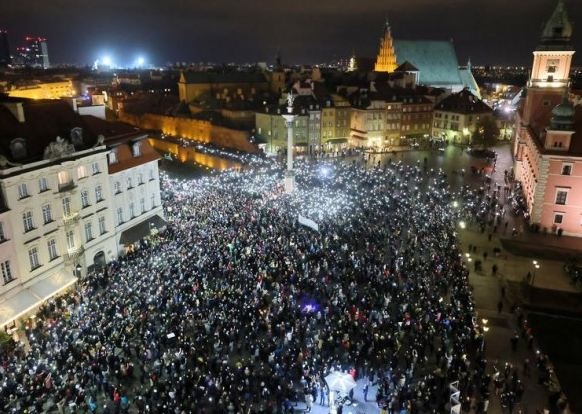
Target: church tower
386, 59
550, 71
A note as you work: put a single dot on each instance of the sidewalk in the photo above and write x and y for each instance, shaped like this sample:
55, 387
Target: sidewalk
487, 291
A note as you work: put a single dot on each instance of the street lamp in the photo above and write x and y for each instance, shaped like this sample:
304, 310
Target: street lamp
78, 269
536, 267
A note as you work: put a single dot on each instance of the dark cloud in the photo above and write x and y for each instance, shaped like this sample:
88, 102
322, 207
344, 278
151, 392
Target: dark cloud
490, 31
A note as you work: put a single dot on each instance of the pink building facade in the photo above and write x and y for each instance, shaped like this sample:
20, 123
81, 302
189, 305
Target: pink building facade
548, 135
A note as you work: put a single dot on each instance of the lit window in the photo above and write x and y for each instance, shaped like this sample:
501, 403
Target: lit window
63, 178
81, 172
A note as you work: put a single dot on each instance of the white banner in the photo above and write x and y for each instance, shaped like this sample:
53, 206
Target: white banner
308, 223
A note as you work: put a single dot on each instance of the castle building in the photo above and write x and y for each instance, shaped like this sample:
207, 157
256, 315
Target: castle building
548, 134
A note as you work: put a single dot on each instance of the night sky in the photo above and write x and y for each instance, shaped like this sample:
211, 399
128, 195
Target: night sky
306, 31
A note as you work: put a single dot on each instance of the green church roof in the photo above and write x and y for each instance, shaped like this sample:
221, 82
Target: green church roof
436, 60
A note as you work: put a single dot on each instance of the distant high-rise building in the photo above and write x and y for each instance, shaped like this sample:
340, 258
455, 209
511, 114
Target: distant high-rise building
386, 60
34, 52
4, 49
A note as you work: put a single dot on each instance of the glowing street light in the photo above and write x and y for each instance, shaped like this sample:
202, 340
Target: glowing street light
462, 225
536, 267
107, 61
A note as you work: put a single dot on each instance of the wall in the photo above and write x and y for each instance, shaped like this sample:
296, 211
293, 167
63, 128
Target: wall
202, 131
185, 155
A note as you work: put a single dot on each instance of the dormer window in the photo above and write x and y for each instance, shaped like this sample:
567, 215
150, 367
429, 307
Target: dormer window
113, 157
18, 148
136, 150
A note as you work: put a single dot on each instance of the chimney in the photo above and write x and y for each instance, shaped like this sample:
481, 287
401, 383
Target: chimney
17, 110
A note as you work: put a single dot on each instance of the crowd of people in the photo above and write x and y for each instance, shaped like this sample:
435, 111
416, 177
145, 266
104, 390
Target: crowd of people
237, 308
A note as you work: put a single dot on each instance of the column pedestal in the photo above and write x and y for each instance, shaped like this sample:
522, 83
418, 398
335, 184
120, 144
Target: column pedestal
289, 181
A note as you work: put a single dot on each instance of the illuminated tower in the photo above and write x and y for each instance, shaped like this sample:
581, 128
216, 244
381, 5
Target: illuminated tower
353, 65
386, 59
550, 73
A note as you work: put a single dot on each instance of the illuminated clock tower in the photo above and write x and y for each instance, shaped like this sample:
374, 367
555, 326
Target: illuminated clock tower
551, 65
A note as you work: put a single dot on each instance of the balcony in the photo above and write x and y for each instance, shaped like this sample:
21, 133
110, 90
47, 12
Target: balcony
71, 218
73, 254
68, 186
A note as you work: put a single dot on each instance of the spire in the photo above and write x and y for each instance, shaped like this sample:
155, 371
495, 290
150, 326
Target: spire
386, 59
469, 63
557, 30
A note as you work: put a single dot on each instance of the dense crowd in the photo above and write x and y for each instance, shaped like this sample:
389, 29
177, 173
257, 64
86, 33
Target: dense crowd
237, 308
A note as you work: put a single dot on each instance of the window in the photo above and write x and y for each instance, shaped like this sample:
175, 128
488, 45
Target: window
140, 178
120, 216
67, 206
136, 150
70, 240
153, 200
63, 178
2, 235
98, 193
42, 185
558, 218
6, 272
52, 249
95, 168
142, 205
84, 198
27, 221
113, 157
22, 191
129, 183
131, 210
33, 258
88, 231
81, 171
566, 169
117, 187
561, 196
47, 214
102, 228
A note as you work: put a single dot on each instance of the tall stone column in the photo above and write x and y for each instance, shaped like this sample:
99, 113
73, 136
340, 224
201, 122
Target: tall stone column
290, 124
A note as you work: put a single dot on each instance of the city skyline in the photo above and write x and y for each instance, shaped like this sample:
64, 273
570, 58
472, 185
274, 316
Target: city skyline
302, 31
